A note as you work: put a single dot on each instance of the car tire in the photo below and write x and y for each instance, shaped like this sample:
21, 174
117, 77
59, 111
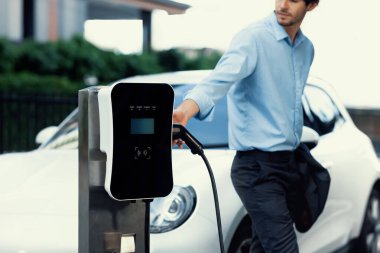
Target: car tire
241, 240
369, 239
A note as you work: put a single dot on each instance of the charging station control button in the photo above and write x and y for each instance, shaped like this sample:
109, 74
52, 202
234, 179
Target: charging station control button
143, 153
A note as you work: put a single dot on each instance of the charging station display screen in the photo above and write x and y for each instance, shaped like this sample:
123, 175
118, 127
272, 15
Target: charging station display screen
142, 126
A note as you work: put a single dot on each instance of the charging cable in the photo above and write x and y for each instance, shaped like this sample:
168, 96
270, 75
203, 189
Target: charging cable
180, 132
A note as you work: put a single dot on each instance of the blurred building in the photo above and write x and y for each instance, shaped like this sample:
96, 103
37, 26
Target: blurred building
49, 20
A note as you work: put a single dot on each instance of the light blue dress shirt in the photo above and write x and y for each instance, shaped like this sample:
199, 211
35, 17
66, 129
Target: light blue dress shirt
264, 75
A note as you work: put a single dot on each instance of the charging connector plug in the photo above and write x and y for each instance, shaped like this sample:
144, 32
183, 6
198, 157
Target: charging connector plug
180, 132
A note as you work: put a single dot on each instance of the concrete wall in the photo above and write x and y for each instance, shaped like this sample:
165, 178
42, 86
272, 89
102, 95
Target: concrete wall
72, 15
11, 19
41, 22
59, 19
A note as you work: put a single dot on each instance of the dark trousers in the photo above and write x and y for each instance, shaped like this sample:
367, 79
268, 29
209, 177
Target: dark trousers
267, 183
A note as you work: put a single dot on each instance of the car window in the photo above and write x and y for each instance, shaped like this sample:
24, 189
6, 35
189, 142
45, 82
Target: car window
320, 112
211, 134
67, 135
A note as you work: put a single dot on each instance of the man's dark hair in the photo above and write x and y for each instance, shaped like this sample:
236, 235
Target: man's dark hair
311, 1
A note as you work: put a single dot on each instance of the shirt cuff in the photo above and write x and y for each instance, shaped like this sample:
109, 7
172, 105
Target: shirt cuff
205, 104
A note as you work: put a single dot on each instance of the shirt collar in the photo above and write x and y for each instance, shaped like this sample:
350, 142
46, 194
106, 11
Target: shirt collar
280, 33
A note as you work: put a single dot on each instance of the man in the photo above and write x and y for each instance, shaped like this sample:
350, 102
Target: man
264, 73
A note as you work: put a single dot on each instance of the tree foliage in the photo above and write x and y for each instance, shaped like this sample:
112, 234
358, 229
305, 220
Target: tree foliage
65, 65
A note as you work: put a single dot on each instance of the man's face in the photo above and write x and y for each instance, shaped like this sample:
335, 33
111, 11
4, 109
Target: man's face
292, 12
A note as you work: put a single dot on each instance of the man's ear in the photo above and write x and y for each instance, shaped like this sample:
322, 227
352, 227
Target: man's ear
311, 6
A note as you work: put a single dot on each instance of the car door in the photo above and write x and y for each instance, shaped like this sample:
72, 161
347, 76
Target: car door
338, 151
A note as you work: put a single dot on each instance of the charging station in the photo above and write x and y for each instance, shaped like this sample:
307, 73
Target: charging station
125, 133
125, 142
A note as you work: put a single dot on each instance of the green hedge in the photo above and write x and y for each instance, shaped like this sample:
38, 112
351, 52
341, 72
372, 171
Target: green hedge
64, 65
25, 82
7, 56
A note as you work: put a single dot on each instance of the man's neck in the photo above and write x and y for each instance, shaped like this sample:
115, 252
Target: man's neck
292, 31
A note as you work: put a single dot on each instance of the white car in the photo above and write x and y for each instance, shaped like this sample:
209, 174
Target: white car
39, 189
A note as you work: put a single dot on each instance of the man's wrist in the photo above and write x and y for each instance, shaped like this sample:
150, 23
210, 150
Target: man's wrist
186, 111
189, 108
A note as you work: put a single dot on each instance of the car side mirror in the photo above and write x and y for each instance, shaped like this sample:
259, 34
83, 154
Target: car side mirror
309, 137
45, 134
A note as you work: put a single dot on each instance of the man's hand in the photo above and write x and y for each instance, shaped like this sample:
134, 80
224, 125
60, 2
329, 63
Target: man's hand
179, 117
182, 115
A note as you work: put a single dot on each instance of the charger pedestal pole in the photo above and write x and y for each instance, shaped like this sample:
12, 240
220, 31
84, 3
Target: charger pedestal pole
105, 225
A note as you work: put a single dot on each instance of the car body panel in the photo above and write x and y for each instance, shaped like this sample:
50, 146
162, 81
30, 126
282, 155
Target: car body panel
39, 204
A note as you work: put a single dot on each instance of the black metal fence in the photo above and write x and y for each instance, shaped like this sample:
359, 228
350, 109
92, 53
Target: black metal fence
22, 116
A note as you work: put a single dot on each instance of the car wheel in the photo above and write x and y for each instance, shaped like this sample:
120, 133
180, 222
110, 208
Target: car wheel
369, 240
242, 238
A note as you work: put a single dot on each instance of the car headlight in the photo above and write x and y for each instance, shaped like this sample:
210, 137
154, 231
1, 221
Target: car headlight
173, 210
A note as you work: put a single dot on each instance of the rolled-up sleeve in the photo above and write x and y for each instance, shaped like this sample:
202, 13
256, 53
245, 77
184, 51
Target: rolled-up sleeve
205, 103
238, 62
